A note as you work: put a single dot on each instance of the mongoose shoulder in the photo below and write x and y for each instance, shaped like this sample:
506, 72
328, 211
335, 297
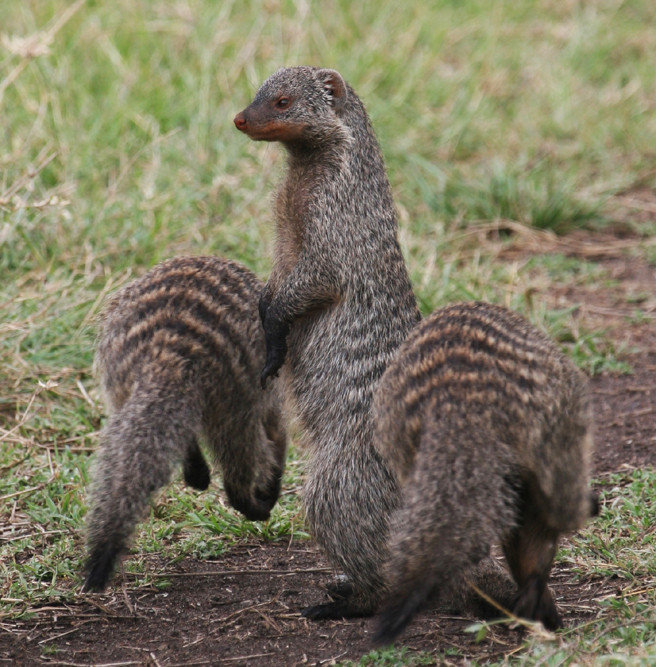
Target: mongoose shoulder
336, 307
487, 426
178, 357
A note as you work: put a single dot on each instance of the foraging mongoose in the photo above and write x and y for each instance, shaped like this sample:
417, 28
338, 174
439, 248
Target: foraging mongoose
487, 426
336, 307
178, 358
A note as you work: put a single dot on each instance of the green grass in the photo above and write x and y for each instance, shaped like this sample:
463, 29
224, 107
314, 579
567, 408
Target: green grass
117, 150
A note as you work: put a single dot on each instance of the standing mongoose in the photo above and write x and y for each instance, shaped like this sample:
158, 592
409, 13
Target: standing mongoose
178, 358
336, 307
487, 426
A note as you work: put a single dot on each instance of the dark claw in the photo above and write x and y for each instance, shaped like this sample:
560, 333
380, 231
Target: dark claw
266, 374
275, 359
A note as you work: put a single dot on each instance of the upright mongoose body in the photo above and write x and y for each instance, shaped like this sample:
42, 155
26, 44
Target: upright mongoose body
178, 357
336, 307
487, 426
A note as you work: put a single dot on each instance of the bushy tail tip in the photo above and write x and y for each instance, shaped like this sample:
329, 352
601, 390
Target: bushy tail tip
99, 567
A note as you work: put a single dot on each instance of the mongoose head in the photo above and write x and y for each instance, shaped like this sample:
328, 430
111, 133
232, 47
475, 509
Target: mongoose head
297, 105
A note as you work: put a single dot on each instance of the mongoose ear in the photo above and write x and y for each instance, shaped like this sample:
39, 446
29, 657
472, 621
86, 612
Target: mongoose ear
335, 87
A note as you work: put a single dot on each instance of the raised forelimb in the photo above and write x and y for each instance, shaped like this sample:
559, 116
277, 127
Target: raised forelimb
307, 288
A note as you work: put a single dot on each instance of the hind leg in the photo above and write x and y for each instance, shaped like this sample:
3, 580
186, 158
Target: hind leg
195, 469
530, 549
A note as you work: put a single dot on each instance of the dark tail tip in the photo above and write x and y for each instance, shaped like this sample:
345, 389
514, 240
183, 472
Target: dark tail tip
99, 568
396, 615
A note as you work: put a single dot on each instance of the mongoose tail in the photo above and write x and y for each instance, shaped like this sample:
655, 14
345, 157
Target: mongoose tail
135, 459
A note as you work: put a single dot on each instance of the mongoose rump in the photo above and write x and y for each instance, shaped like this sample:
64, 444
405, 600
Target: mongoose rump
487, 426
178, 358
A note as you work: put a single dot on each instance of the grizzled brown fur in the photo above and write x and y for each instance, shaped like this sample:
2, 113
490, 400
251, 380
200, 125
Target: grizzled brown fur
178, 358
337, 306
487, 426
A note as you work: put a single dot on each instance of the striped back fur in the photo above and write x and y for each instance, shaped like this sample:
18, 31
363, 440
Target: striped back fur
178, 358
487, 426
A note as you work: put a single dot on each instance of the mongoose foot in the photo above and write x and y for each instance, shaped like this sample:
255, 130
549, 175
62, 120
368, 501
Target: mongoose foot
195, 469
343, 608
252, 508
595, 507
396, 616
341, 589
99, 567
536, 603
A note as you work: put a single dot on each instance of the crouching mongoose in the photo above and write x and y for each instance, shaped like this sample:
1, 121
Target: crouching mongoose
178, 359
487, 427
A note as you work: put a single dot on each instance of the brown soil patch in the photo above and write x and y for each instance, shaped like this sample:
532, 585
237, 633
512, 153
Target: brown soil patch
243, 608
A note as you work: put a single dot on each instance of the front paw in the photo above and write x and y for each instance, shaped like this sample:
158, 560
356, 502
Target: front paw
252, 508
267, 494
265, 301
275, 337
275, 358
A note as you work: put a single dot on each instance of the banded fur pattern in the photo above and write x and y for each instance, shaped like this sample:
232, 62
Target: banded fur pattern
178, 358
488, 428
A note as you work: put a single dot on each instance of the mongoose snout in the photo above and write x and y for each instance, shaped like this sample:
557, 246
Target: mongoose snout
240, 122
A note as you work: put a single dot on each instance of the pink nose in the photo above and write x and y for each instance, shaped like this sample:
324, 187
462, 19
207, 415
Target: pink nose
240, 122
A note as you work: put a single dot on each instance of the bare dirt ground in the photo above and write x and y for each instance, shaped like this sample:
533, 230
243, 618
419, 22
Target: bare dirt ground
242, 609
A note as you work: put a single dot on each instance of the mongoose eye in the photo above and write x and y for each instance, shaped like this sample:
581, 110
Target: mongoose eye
282, 103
